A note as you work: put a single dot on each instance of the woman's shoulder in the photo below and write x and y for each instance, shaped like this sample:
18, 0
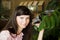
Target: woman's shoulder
4, 31
4, 34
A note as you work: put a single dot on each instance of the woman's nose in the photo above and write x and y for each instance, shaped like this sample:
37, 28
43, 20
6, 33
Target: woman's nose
24, 21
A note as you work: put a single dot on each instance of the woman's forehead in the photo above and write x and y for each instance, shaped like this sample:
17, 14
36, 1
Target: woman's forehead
24, 16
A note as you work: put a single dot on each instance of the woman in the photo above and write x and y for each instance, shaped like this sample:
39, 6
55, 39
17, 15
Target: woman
19, 26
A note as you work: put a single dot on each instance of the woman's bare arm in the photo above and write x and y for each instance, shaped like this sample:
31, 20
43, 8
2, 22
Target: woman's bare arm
40, 36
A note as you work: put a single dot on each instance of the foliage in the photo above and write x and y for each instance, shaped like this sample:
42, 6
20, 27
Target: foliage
4, 15
51, 21
54, 33
51, 5
3, 11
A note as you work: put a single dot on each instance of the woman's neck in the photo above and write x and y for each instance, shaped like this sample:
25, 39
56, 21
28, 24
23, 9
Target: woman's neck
19, 30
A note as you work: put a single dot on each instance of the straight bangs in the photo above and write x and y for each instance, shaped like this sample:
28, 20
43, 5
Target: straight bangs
22, 11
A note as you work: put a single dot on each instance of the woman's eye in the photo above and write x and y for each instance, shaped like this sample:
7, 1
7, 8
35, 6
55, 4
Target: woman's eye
21, 17
28, 18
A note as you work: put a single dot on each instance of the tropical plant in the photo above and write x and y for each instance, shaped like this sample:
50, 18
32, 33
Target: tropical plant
50, 21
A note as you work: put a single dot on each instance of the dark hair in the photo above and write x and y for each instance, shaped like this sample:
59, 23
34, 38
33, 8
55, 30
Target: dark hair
12, 24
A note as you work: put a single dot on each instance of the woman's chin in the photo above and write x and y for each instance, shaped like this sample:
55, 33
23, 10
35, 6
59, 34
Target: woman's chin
23, 26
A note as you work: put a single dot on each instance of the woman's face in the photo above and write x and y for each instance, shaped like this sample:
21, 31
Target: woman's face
23, 21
